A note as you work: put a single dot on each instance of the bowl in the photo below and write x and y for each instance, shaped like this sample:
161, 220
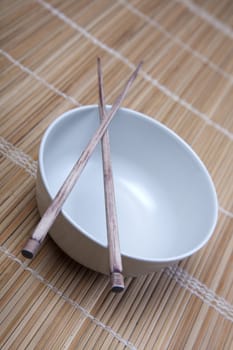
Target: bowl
166, 201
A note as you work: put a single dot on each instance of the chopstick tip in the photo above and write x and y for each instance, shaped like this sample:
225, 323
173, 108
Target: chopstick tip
117, 281
31, 248
139, 65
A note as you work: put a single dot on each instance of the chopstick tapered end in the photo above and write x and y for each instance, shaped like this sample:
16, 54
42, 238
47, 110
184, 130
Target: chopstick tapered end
31, 248
117, 281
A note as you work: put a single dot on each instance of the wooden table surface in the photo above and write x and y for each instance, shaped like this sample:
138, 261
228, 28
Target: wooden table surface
48, 66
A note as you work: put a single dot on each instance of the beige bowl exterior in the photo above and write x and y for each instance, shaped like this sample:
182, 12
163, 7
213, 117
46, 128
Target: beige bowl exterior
84, 250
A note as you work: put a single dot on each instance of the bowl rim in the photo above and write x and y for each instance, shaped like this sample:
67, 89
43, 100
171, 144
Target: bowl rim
171, 133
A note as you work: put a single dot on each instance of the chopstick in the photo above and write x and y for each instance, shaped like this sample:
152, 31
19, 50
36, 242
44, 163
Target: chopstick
48, 218
115, 262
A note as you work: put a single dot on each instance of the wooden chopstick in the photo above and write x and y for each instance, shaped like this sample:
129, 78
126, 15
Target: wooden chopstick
115, 262
54, 209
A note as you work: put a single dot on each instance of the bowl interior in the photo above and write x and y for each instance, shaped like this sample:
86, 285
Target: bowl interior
166, 201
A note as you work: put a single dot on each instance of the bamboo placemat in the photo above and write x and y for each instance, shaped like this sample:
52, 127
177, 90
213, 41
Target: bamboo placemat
48, 60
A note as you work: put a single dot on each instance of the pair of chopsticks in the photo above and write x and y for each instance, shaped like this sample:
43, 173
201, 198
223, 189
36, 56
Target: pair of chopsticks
48, 218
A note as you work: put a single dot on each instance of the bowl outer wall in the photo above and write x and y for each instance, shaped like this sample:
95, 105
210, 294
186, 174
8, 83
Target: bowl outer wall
84, 250
152, 264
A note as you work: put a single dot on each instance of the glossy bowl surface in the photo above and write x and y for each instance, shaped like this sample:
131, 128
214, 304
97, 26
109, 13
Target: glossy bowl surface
166, 201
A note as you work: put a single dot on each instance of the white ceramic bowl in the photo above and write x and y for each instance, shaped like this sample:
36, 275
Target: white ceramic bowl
166, 201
